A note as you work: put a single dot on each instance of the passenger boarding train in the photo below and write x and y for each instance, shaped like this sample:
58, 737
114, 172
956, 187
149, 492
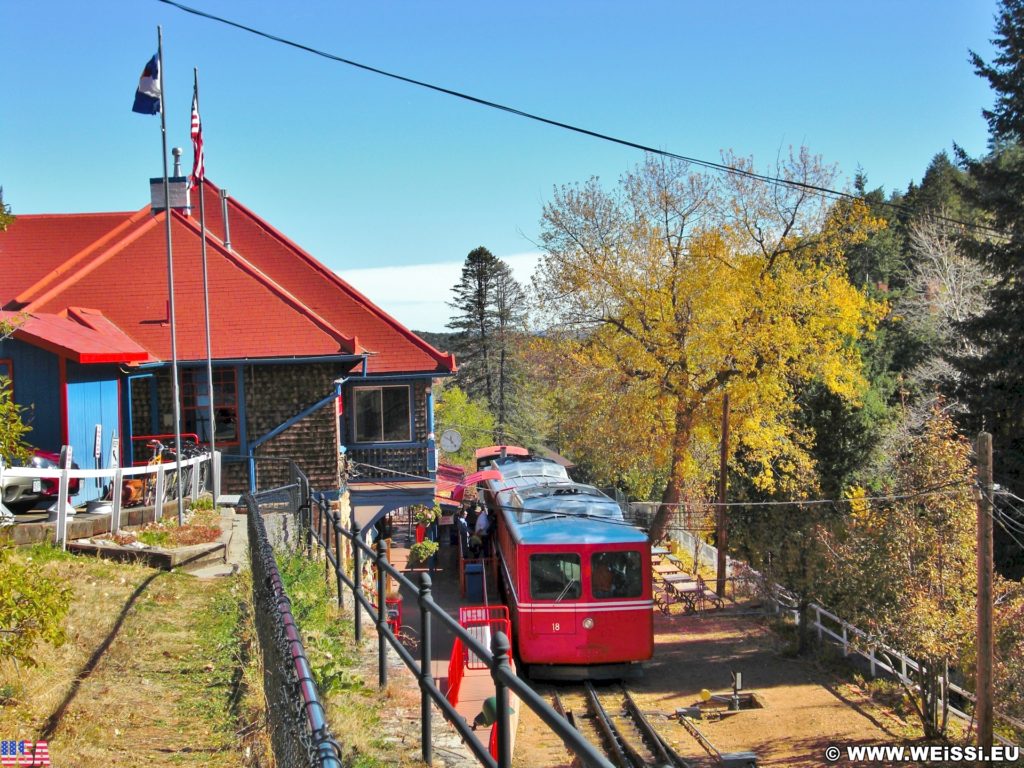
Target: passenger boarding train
576, 575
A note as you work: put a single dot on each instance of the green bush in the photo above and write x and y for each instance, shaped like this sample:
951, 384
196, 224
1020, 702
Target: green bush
203, 504
32, 608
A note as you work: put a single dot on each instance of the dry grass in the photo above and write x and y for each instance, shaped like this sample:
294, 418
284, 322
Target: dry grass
374, 728
154, 671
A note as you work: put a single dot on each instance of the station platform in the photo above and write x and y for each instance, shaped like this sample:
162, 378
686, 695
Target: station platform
476, 685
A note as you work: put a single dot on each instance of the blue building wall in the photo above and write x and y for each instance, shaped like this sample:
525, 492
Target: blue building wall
37, 390
93, 401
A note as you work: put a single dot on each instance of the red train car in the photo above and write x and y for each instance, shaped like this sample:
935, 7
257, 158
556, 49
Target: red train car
576, 576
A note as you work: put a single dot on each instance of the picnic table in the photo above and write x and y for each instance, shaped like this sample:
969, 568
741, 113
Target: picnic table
675, 586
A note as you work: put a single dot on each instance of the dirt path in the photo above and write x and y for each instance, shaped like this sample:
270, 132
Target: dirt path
803, 709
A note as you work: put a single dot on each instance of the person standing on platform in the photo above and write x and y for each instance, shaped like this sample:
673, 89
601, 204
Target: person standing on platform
462, 529
481, 531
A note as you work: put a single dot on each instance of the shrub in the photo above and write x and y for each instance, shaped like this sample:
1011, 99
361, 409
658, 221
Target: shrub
32, 608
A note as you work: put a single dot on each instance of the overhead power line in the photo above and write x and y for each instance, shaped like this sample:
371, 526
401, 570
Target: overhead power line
710, 164
942, 489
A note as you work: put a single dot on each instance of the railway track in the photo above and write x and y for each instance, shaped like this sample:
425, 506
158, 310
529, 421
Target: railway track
609, 717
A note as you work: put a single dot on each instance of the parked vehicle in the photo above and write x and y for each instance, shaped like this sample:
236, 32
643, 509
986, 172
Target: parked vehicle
21, 493
576, 576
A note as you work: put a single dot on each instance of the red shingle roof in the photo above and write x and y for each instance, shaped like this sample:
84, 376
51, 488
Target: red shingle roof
37, 245
395, 348
269, 298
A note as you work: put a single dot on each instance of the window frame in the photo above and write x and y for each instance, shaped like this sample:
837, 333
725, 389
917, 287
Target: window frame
193, 381
620, 585
573, 559
379, 440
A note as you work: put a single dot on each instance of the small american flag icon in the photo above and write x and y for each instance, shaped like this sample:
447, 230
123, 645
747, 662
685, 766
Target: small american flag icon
24, 754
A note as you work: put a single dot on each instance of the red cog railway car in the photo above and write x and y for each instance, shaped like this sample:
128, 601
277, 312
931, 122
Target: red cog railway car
576, 575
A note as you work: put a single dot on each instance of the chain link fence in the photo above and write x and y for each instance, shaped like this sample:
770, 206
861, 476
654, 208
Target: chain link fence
297, 722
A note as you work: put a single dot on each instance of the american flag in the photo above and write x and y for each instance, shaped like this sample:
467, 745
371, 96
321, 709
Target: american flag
24, 754
198, 165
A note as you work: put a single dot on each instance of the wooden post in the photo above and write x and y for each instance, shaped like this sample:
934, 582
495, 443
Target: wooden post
721, 532
983, 691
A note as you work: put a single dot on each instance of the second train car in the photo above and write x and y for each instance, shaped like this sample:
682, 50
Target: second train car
576, 575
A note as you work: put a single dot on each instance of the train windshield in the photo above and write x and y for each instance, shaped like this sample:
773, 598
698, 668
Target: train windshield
555, 576
616, 574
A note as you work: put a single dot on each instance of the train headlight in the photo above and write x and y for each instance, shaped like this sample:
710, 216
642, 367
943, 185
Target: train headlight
588, 623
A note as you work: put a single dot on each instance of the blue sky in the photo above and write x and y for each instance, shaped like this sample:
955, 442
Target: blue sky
392, 185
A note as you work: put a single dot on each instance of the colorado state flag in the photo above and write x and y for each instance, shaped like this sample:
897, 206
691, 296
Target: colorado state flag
147, 97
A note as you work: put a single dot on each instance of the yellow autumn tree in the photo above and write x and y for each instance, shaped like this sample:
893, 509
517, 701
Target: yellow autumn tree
904, 570
676, 287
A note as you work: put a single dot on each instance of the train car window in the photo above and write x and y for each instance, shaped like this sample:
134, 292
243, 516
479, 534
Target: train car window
555, 576
616, 574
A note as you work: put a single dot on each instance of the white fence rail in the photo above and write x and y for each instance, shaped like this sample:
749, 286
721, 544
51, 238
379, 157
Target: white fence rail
881, 657
842, 633
161, 473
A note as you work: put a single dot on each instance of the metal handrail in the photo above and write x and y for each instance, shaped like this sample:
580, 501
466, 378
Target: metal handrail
325, 530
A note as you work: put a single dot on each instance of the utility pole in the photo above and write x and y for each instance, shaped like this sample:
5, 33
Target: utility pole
983, 685
721, 533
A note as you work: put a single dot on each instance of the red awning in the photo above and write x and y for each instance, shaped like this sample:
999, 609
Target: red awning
448, 478
473, 479
98, 342
453, 481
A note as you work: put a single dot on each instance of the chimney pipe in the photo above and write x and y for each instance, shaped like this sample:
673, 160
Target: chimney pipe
224, 214
176, 151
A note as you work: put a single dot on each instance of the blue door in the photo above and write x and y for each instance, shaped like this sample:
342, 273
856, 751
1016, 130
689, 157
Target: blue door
92, 404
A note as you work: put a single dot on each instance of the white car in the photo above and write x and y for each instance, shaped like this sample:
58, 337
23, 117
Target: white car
22, 494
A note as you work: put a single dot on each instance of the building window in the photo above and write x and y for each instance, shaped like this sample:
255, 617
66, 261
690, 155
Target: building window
7, 370
382, 414
196, 404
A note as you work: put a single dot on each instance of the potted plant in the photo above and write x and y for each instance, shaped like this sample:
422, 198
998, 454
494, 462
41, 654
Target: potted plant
421, 552
426, 516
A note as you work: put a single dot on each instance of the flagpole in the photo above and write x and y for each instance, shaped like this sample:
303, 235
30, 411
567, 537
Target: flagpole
170, 278
206, 294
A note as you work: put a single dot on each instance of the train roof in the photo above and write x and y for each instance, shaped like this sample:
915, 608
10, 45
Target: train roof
562, 529
542, 505
532, 471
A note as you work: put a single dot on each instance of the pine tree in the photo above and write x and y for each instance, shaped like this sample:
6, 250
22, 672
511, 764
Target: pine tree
992, 383
5, 212
490, 315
